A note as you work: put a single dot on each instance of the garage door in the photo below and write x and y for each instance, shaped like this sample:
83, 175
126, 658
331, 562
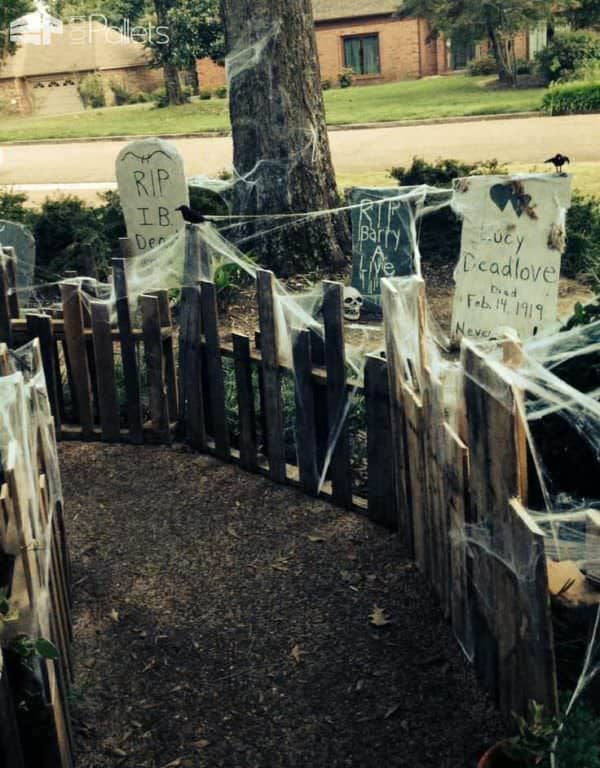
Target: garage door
55, 96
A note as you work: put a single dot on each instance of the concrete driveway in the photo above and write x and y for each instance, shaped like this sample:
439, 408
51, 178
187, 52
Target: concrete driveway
356, 151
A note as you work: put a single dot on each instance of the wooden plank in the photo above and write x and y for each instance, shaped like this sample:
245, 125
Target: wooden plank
530, 669
245, 399
337, 395
108, 400
269, 342
159, 402
495, 478
128, 352
380, 450
306, 432
214, 368
417, 473
168, 353
456, 479
5, 364
317, 350
399, 428
191, 413
40, 325
77, 355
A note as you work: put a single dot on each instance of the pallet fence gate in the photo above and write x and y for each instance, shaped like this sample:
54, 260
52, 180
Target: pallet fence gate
432, 480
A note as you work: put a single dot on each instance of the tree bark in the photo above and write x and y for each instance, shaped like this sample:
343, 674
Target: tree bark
281, 146
170, 71
503, 53
193, 79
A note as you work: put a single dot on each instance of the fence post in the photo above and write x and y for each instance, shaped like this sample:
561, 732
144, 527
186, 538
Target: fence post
273, 412
77, 354
108, 401
5, 315
245, 397
306, 435
41, 326
152, 334
191, 400
128, 350
380, 452
214, 368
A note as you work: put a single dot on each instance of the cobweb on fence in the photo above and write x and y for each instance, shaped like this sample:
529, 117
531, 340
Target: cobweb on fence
27, 435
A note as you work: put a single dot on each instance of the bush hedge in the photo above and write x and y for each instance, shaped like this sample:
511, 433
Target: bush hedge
572, 98
91, 90
566, 54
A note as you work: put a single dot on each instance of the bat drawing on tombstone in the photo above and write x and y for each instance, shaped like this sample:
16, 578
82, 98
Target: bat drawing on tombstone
147, 158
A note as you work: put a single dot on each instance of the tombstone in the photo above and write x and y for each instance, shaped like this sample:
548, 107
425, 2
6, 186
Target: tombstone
22, 240
513, 238
382, 238
152, 184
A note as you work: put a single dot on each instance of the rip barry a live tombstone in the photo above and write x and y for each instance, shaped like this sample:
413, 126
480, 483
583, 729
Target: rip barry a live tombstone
152, 185
382, 241
21, 239
513, 237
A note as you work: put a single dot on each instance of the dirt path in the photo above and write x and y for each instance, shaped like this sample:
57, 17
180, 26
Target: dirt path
221, 620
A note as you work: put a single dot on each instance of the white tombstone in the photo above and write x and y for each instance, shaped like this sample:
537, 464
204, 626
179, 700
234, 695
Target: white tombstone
513, 237
152, 185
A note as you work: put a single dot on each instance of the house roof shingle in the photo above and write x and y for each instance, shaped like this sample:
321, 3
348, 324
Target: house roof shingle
66, 53
326, 10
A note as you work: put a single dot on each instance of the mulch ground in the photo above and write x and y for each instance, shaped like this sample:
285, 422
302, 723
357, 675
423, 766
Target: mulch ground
222, 620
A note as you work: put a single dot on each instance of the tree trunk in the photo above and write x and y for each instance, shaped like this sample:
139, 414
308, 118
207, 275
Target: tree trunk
173, 84
193, 80
281, 146
503, 53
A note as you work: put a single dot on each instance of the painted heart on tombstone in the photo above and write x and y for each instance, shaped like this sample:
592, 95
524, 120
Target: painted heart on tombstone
520, 203
501, 194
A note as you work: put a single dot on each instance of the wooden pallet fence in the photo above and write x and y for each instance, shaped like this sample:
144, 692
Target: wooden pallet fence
33, 541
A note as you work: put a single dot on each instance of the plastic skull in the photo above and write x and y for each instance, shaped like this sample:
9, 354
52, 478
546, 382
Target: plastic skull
353, 302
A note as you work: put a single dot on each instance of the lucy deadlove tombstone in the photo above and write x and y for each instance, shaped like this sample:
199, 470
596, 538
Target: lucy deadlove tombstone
152, 185
382, 237
21, 239
513, 237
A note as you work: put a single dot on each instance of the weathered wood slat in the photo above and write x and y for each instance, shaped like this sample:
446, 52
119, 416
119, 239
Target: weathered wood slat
11, 277
271, 381
337, 395
306, 431
5, 314
108, 401
214, 369
245, 399
41, 326
77, 355
153, 355
398, 424
380, 450
128, 350
192, 424
168, 353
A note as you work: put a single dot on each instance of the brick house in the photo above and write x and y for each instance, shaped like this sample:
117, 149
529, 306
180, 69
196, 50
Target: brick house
365, 36
43, 79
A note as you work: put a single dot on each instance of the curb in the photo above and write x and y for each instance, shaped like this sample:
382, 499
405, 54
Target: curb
330, 129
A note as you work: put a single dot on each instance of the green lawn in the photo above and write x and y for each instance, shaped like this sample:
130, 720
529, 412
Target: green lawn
417, 99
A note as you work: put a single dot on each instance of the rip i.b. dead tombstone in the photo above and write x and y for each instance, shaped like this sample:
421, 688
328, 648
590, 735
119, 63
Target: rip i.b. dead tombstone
513, 237
382, 237
152, 185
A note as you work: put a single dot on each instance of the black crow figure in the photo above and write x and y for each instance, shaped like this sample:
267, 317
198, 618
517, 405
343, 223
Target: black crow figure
558, 161
192, 216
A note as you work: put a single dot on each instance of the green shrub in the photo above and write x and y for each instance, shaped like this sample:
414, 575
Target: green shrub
486, 65
221, 92
566, 54
205, 95
346, 78
121, 93
159, 97
582, 253
12, 207
91, 90
572, 98
524, 67
326, 85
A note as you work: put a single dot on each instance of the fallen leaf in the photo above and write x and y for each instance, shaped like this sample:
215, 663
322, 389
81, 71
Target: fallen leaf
173, 763
378, 617
201, 744
316, 539
392, 711
114, 615
297, 654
